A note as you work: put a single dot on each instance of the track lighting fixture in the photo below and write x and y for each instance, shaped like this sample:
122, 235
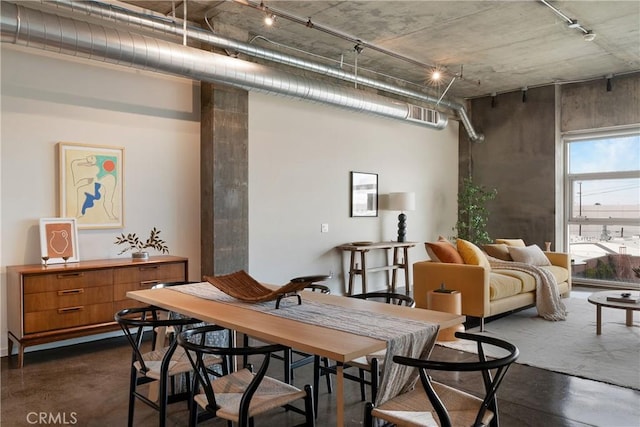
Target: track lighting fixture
572, 23
269, 19
493, 100
358, 48
609, 83
524, 94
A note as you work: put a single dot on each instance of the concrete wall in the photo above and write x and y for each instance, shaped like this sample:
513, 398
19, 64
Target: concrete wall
588, 105
522, 156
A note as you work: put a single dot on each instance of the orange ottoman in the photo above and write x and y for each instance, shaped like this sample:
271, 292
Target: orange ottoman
448, 301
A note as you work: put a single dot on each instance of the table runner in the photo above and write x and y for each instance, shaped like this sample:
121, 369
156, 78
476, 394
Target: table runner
406, 337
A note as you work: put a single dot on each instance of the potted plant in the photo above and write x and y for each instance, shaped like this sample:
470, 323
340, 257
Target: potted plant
137, 246
473, 215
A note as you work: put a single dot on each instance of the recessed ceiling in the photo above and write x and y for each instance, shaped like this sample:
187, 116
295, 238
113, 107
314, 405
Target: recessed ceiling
489, 46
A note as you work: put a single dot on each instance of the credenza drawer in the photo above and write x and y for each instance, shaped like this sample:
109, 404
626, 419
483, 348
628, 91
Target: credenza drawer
149, 273
67, 298
68, 317
67, 280
139, 279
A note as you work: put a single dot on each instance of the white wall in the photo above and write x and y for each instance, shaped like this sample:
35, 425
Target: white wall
300, 156
47, 99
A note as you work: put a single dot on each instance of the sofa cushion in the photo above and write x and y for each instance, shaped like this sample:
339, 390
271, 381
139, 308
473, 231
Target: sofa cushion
443, 251
527, 281
503, 286
512, 242
560, 273
471, 254
498, 250
529, 255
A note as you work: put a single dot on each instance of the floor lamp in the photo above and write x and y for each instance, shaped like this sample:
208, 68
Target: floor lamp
402, 202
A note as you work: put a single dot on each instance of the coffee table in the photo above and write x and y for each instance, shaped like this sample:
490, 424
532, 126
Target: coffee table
600, 300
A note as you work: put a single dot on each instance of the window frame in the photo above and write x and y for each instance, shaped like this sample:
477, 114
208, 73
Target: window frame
569, 217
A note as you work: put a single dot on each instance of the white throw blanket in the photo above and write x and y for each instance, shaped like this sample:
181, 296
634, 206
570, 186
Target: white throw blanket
548, 301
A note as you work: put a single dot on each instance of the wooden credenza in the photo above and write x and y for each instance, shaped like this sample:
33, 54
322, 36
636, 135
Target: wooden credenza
56, 302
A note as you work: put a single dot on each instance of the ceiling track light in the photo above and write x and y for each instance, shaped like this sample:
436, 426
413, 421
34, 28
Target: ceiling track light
524, 94
269, 19
572, 23
358, 48
609, 83
494, 101
335, 33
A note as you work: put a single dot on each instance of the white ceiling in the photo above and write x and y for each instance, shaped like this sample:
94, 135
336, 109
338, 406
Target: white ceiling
490, 46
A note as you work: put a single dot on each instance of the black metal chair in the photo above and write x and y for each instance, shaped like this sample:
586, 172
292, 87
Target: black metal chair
242, 395
160, 364
448, 405
371, 363
166, 332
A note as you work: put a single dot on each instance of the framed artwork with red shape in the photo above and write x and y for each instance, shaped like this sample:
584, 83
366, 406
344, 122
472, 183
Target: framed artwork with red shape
92, 185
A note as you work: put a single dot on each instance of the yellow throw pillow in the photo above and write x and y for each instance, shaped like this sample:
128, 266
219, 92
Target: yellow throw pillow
512, 242
471, 254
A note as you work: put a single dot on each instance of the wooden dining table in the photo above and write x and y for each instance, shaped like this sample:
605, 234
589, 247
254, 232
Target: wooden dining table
312, 338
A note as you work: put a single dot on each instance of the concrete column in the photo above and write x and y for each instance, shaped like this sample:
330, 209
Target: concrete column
224, 179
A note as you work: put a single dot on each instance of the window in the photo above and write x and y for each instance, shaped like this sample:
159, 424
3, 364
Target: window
603, 207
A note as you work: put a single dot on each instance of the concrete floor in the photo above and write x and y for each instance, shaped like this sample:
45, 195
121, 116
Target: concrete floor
86, 385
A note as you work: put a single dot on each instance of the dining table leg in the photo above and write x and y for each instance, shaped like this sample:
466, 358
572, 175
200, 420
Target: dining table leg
339, 395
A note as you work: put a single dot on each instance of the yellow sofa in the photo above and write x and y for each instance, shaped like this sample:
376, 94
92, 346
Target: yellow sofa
487, 292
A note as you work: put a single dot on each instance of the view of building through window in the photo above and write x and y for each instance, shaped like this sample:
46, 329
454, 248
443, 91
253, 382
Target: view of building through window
603, 215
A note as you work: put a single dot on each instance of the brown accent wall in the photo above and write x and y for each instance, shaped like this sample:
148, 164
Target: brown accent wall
519, 156
224, 179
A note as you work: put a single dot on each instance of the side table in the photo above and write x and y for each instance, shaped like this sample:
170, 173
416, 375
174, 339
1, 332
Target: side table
448, 301
398, 261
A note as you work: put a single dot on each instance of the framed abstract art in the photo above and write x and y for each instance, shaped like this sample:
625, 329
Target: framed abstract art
92, 185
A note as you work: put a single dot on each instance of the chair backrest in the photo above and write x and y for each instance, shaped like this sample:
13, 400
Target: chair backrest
195, 342
134, 322
493, 372
387, 297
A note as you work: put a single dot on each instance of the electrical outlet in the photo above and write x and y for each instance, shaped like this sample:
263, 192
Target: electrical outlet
324, 228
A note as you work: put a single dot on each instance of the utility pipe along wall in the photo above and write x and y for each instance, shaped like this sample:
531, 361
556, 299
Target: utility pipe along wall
38, 29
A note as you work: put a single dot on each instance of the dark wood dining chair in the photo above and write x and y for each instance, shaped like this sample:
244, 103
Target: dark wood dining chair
435, 402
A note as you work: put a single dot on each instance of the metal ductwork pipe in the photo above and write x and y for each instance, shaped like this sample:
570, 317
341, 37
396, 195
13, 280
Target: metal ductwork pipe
133, 18
34, 28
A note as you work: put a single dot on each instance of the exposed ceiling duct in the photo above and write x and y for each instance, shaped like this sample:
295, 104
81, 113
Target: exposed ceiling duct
168, 27
34, 28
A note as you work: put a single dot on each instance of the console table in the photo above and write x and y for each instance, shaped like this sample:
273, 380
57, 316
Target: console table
394, 263
61, 301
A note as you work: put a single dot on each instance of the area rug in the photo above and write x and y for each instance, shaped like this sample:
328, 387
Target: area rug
572, 346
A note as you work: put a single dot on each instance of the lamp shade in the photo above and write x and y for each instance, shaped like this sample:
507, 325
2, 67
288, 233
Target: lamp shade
402, 201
